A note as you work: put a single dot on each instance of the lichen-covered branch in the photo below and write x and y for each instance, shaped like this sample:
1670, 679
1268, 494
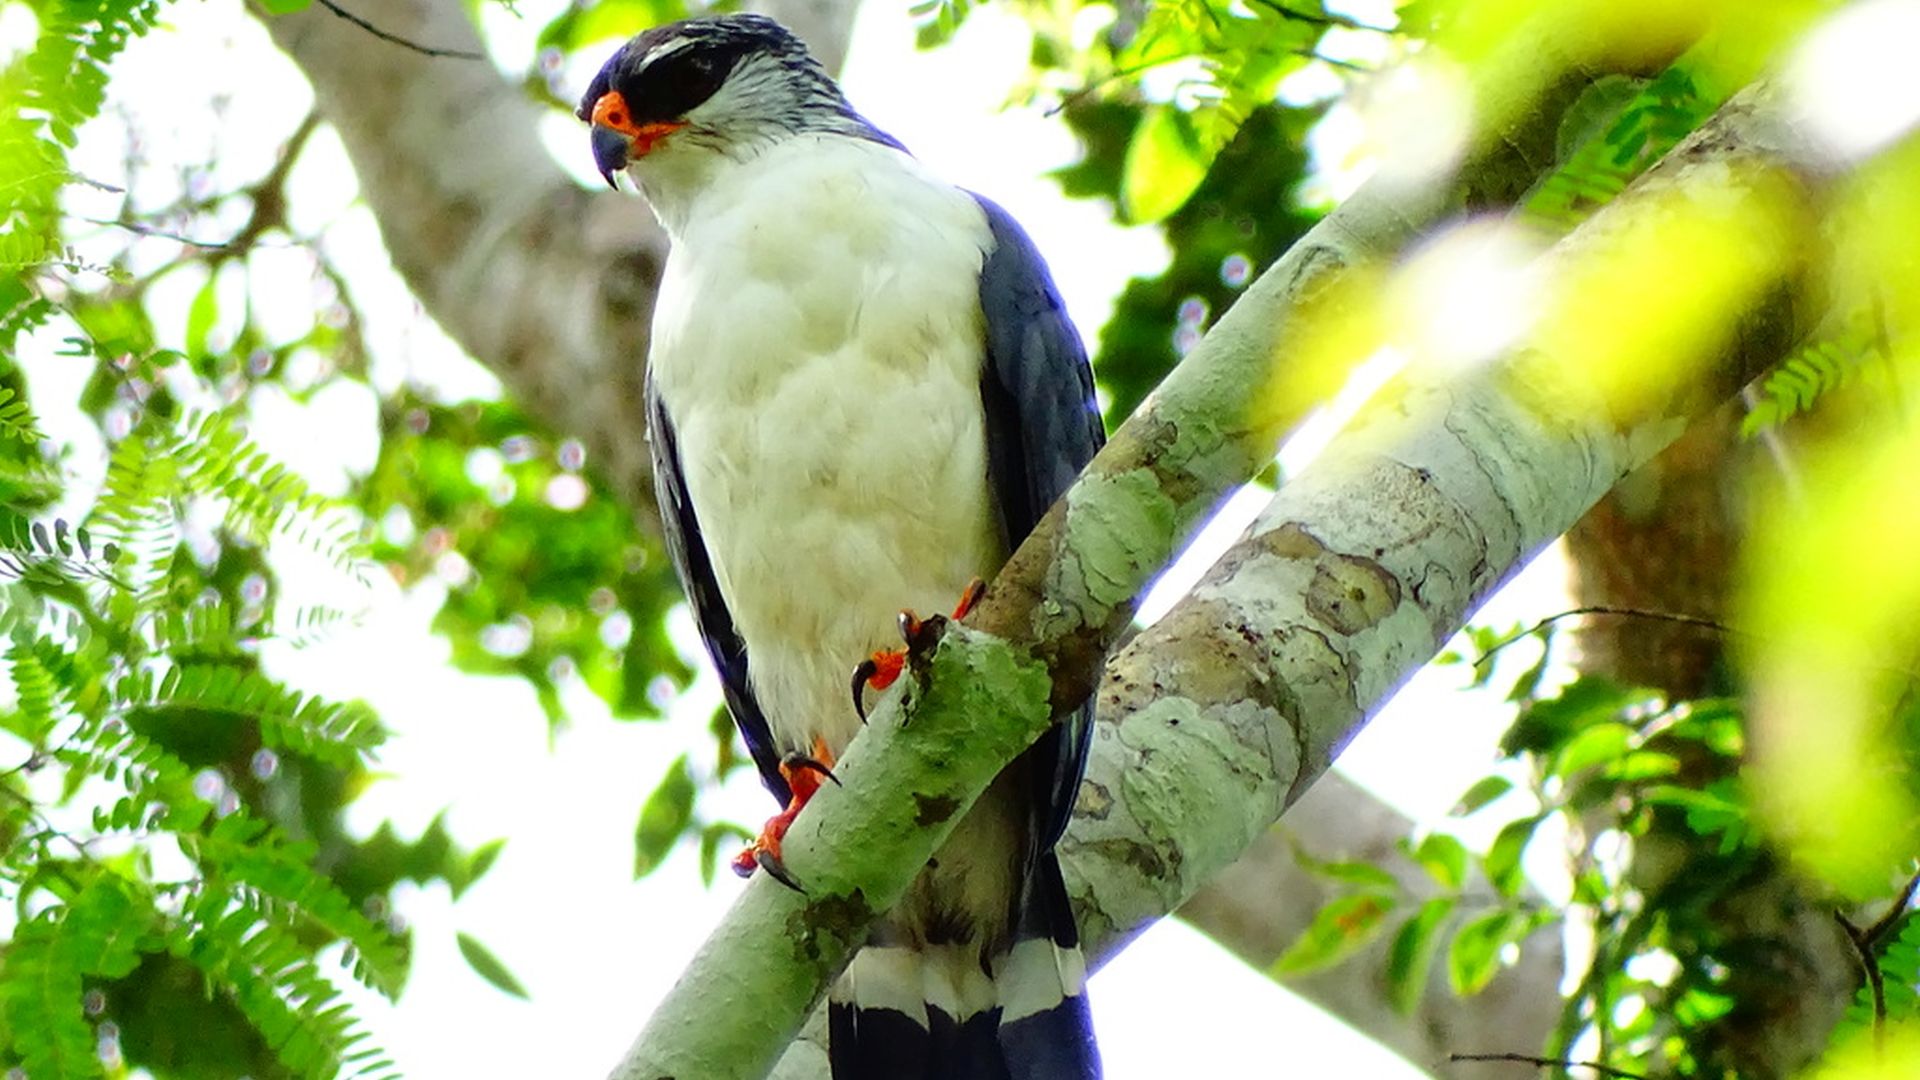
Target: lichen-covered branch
1222, 713
1216, 421
924, 757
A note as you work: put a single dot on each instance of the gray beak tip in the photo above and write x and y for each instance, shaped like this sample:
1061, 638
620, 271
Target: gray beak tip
610, 149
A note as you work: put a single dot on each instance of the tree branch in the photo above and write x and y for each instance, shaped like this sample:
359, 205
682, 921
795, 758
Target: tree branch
1363, 566
405, 43
1220, 715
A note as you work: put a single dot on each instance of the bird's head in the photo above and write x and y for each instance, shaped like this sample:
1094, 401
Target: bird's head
726, 85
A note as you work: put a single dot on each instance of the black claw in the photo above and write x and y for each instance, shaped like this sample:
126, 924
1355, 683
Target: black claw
801, 761
778, 870
909, 626
862, 674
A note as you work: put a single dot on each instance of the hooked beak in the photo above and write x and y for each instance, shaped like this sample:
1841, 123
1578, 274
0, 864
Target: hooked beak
610, 150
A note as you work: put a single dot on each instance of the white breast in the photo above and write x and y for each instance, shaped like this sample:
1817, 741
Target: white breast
817, 343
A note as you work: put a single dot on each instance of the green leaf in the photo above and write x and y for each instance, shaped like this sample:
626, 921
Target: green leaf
483, 857
1480, 794
1600, 744
41, 1007
711, 838
1365, 875
1642, 765
202, 313
1444, 858
1412, 953
1340, 928
663, 817
1503, 858
1720, 809
1474, 958
1547, 724
489, 967
1165, 163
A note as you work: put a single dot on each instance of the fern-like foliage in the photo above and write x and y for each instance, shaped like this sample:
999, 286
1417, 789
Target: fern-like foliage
169, 811
1612, 135
150, 476
255, 911
244, 945
16, 420
112, 679
1815, 370
100, 932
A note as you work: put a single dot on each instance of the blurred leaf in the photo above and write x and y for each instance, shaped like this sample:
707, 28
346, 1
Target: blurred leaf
1444, 858
1721, 809
489, 967
1411, 954
1365, 875
1545, 725
201, 315
580, 26
1484, 791
663, 817
1502, 863
1340, 928
1600, 744
711, 838
1165, 163
476, 866
1474, 957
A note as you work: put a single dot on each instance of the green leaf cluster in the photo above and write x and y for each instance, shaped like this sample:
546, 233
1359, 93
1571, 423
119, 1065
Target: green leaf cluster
171, 833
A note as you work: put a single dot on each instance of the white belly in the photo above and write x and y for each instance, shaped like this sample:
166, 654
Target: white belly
817, 345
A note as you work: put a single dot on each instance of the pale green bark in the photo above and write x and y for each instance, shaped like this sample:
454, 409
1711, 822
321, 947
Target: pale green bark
1366, 564
1214, 720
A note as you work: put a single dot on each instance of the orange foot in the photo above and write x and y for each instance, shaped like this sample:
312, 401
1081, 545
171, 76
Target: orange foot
803, 775
884, 667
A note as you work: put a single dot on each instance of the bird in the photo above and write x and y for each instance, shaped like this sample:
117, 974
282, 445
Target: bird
862, 392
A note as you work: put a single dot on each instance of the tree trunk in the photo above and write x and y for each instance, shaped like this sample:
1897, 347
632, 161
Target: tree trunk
1667, 540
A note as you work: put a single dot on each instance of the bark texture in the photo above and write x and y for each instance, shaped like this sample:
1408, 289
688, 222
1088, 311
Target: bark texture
1220, 715
1667, 540
550, 286
1364, 565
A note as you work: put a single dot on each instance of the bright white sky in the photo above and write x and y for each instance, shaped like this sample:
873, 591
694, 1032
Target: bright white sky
595, 948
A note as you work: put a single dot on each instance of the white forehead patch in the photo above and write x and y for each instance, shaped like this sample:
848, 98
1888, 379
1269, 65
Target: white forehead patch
664, 49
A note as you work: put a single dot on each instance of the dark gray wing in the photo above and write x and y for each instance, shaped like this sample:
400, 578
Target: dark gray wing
710, 616
1043, 426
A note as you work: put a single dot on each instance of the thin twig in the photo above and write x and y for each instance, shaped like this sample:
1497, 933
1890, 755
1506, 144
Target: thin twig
1324, 18
1700, 621
424, 50
1551, 1063
1866, 946
159, 234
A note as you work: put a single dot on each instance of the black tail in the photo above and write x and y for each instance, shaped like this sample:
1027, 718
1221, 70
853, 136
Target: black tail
933, 1014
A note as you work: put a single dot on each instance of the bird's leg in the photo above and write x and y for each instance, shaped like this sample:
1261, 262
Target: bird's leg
883, 668
803, 775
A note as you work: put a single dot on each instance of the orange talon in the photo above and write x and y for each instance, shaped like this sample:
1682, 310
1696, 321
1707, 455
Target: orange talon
970, 599
887, 666
883, 668
802, 775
